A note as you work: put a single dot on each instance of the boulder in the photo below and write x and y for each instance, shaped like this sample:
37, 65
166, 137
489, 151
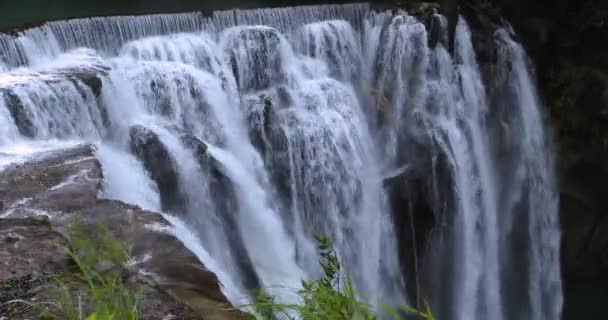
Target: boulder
438, 31
146, 145
420, 204
42, 197
223, 194
255, 56
82, 65
60, 180
20, 115
19, 88
335, 43
267, 134
90, 79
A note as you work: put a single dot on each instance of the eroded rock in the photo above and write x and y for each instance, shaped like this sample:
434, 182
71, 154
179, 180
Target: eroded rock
223, 194
268, 136
60, 180
146, 145
255, 56
44, 196
20, 115
29, 247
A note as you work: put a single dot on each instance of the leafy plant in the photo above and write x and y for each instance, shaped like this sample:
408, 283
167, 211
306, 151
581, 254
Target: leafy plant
332, 297
105, 290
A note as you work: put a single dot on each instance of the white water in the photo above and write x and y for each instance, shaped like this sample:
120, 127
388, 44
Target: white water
304, 111
456, 116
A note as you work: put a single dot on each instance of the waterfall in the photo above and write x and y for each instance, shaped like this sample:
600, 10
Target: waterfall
456, 119
252, 131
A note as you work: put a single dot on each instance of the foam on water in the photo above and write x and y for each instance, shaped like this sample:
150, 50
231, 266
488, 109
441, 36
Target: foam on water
21, 151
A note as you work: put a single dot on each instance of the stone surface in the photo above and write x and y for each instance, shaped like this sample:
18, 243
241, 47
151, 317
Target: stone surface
584, 218
223, 194
30, 252
150, 150
18, 112
90, 78
255, 57
571, 66
29, 246
42, 197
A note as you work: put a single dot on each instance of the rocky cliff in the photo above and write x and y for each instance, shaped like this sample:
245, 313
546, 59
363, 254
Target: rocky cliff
567, 42
38, 200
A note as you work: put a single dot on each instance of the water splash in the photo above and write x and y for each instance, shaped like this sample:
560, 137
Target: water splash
279, 124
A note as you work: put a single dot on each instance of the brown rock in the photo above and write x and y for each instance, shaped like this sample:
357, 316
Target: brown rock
64, 185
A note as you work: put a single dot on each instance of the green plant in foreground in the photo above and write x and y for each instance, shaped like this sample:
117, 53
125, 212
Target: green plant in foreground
329, 298
105, 292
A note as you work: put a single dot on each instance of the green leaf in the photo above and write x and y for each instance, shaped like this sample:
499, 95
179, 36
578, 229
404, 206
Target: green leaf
392, 312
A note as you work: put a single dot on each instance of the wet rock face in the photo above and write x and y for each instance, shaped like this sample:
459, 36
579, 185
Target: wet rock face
18, 112
583, 210
225, 200
584, 219
413, 219
255, 56
438, 31
161, 261
269, 138
333, 42
90, 79
147, 146
570, 63
40, 198
55, 103
221, 187
29, 247
47, 183
421, 207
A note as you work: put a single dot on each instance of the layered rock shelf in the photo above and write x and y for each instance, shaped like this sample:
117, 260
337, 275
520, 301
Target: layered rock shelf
40, 198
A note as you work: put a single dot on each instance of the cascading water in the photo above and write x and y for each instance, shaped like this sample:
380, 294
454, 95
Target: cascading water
260, 129
455, 115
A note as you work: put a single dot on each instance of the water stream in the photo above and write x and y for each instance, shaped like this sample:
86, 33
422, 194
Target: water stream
302, 113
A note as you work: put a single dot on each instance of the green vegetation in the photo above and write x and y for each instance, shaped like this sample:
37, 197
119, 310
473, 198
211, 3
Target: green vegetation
95, 289
96, 256
423, 10
577, 106
330, 298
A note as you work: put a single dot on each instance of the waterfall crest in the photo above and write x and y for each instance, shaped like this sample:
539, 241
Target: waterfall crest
256, 130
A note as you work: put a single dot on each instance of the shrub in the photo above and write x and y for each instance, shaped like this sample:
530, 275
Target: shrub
330, 298
105, 296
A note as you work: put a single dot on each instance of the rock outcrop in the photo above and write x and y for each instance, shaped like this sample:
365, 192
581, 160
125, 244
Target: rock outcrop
584, 219
255, 57
19, 88
20, 115
40, 198
569, 62
571, 65
223, 194
146, 145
